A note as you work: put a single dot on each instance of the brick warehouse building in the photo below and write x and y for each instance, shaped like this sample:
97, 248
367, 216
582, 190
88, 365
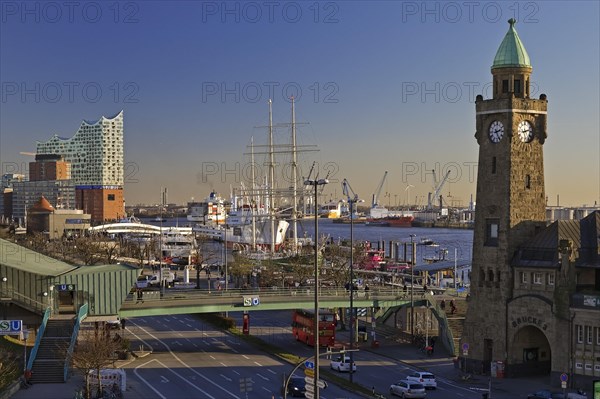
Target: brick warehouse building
535, 289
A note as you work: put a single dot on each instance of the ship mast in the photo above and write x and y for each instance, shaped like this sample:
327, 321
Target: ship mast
254, 206
271, 183
294, 180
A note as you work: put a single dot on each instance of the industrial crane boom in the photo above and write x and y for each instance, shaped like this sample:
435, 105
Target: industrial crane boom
437, 190
375, 200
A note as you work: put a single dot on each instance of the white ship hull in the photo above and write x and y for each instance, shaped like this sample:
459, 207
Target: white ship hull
240, 236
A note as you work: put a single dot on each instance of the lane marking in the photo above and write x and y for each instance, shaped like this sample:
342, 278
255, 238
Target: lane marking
227, 378
189, 367
263, 377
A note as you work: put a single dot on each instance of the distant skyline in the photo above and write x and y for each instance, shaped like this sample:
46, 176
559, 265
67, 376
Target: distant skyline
382, 85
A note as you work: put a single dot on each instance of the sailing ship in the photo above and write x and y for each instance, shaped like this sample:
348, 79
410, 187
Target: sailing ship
254, 223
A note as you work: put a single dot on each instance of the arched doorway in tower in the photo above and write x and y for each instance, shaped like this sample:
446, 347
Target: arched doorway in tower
530, 353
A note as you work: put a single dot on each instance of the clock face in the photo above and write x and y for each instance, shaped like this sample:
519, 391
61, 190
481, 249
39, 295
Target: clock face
496, 131
525, 131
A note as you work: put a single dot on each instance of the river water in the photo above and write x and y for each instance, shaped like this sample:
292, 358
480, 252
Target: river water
450, 239
460, 240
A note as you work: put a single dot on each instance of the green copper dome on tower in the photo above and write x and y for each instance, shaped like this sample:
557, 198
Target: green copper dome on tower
511, 52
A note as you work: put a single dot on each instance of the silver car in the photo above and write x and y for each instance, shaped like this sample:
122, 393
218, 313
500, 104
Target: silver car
423, 377
408, 389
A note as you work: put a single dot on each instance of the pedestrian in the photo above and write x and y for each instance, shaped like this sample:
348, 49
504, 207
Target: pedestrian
452, 307
443, 305
367, 289
140, 296
123, 323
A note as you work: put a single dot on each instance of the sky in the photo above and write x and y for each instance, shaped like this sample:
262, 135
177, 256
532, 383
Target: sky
379, 86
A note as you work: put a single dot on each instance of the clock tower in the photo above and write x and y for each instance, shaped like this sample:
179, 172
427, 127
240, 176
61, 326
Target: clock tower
511, 205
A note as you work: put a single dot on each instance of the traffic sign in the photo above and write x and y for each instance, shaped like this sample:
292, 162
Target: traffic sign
563, 384
465, 347
310, 381
309, 372
309, 365
309, 387
10, 327
309, 395
564, 377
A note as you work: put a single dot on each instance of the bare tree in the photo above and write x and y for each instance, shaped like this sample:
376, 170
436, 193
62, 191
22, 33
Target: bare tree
87, 250
206, 252
95, 350
9, 369
38, 242
110, 251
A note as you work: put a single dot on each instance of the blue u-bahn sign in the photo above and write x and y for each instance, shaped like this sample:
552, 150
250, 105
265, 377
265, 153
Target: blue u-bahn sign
10, 327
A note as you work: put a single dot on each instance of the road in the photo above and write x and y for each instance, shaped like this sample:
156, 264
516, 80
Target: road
191, 359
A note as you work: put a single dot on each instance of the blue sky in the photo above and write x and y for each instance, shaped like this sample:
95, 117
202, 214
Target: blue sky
384, 86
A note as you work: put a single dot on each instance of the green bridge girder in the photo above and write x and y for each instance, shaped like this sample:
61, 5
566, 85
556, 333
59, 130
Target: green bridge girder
192, 301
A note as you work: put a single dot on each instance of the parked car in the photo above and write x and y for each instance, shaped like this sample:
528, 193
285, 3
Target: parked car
545, 394
342, 363
423, 377
114, 324
142, 282
296, 387
408, 389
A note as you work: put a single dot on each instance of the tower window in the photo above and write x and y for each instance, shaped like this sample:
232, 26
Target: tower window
518, 86
490, 275
523, 278
493, 165
505, 86
527, 181
111, 197
491, 233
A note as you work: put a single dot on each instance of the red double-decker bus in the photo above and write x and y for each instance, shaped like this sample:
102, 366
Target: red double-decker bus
303, 327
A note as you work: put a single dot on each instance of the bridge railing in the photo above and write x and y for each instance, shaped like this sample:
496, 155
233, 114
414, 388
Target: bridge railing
337, 292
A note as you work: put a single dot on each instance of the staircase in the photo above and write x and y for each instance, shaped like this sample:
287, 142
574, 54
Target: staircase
49, 364
456, 321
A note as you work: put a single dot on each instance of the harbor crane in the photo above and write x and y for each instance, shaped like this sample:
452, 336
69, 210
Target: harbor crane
375, 200
437, 189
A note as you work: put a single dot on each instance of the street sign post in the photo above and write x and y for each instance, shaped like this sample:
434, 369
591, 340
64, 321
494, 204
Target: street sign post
465, 349
563, 382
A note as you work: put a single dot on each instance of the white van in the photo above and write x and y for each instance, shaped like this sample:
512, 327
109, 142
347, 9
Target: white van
167, 275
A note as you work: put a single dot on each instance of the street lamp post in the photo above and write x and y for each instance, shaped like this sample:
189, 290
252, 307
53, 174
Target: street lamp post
2, 293
352, 200
316, 183
412, 285
160, 271
25, 336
